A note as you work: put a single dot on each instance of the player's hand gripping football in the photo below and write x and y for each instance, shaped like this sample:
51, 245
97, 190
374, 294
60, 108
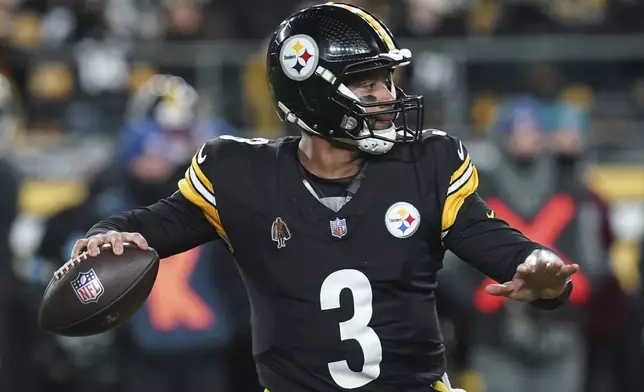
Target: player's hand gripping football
542, 276
116, 239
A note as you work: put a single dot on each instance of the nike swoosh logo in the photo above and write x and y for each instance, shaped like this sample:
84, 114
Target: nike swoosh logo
461, 153
200, 157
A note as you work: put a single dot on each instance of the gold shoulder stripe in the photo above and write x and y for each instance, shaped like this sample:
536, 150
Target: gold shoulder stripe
465, 185
462, 180
220, 230
459, 172
199, 187
373, 22
440, 387
190, 190
202, 177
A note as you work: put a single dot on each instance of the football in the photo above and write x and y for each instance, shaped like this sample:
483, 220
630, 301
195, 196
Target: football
90, 295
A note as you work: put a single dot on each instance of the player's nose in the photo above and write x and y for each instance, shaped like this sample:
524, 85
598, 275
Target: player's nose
382, 95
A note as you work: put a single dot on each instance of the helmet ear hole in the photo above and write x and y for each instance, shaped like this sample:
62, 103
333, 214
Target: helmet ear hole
311, 102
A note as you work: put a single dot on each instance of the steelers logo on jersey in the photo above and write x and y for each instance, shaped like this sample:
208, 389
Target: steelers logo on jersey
402, 219
299, 57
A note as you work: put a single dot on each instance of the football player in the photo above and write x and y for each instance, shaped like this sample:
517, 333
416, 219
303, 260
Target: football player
339, 233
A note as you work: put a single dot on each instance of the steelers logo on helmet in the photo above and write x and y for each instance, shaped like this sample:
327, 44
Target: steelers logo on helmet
299, 57
402, 219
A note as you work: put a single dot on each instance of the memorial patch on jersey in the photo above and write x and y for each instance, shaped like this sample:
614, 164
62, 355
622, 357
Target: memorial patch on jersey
463, 183
280, 232
196, 187
402, 219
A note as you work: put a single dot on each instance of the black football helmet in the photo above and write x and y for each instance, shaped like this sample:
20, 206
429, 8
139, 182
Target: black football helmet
311, 55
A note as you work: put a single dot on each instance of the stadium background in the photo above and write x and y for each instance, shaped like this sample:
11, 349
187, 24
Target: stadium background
103, 101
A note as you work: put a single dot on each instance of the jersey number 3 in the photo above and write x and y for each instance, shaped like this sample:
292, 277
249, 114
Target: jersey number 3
356, 328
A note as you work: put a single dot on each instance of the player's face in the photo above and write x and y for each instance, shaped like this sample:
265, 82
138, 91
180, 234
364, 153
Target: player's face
371, 87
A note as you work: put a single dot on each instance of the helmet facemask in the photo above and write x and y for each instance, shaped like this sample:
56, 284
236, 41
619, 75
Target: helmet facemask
328, 108
357, 124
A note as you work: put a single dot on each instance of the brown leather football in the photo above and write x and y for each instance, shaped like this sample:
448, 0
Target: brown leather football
90, 295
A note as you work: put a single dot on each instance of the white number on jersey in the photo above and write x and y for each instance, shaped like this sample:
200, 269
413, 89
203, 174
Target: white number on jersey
255, 140
356, 328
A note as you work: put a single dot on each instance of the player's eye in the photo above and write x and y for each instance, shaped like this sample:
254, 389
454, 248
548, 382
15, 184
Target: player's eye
367, 84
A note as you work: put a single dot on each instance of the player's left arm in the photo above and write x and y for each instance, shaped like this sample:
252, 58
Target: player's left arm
527, 271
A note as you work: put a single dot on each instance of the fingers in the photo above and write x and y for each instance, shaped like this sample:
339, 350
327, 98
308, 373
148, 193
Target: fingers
78, 247
118, 241
138, 240
568, 270
524, 269
561, 269
93, 245
115, 239
498, 290
554, 268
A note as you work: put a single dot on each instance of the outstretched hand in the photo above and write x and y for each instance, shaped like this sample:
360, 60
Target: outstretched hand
115, 239
542, 276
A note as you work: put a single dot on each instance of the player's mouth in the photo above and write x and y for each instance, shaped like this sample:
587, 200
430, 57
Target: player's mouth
381, 121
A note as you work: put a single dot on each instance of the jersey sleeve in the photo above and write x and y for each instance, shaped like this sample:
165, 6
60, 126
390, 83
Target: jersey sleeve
463, 182
171, 226
199, 187
470, 229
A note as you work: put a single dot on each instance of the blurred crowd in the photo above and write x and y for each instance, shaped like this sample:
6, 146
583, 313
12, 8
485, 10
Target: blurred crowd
103, 103
31, 22
77, 61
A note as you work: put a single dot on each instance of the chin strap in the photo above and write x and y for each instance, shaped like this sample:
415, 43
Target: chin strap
372, 145
369, 145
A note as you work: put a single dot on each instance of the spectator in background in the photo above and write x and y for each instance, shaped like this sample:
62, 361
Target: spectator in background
434, 18
14, 365
194, 20
537, 187
261, 111
184, 21
606, 314
192, 333
637, 362
515, 347
163, 130
69, 364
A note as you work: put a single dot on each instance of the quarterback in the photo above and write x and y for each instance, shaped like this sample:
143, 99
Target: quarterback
339, 233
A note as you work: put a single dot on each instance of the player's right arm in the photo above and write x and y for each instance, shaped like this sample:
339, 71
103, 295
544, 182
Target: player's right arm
173, 225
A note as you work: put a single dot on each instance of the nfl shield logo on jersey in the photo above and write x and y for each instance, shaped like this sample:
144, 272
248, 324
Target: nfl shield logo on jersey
338, 227
87, 286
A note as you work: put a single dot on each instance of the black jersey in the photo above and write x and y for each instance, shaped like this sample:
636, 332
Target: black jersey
340, 299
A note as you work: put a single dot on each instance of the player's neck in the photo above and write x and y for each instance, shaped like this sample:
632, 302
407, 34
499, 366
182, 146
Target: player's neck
323, 160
